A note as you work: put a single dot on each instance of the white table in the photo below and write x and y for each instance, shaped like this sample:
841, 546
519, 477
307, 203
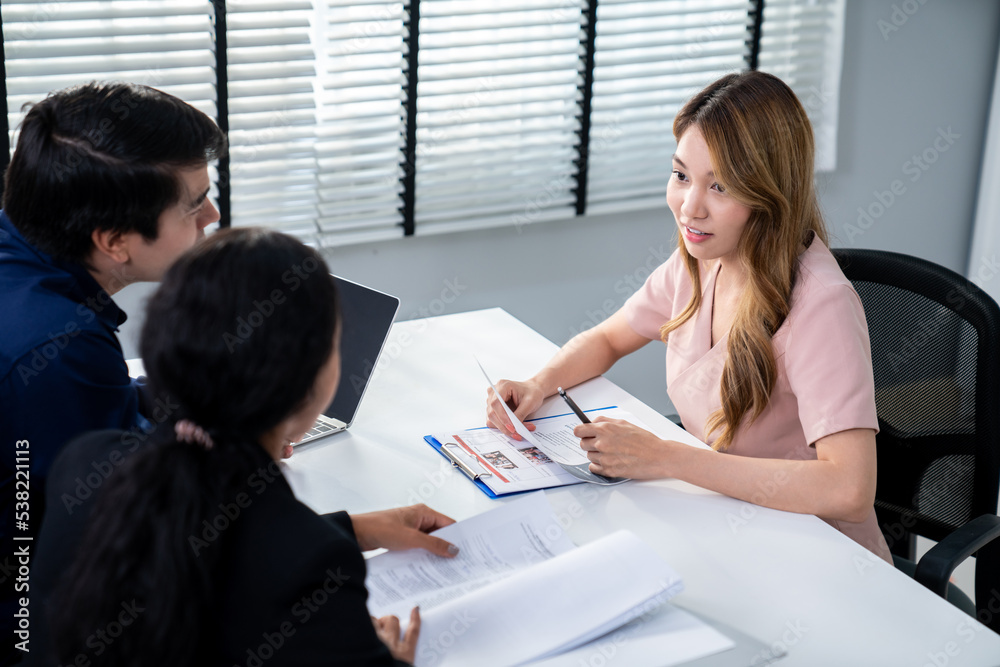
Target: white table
786, 579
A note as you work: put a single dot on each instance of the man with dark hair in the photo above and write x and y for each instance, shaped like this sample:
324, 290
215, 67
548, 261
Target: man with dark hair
107, 186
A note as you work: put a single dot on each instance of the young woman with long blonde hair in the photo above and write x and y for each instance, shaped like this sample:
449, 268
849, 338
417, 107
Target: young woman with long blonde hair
767, 347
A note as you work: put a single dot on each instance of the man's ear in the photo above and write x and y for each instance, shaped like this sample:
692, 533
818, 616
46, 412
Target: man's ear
111, 243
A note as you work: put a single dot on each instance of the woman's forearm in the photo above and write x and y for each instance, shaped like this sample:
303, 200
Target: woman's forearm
840, 486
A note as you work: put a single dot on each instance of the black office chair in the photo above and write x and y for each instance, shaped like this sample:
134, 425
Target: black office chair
935, 340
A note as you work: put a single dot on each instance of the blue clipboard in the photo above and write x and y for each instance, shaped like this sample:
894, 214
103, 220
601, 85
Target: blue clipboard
473, 475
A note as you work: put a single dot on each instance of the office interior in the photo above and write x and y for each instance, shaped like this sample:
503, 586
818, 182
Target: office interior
937, 73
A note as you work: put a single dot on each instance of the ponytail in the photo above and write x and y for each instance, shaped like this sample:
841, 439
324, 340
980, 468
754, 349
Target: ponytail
155, 539
145, 574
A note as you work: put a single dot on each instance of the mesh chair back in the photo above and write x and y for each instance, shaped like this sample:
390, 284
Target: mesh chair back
935, 340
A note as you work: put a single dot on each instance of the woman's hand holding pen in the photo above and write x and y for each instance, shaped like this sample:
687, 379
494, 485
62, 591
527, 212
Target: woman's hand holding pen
617, 448
522, 397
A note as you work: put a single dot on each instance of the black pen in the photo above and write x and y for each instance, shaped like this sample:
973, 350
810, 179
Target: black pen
573, 406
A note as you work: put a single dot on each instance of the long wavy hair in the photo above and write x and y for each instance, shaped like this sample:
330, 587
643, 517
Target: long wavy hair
761, 147
233, 341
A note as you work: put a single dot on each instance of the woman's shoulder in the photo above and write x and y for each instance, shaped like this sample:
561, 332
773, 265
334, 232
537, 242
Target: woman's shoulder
818, 268
824, 302
820, 280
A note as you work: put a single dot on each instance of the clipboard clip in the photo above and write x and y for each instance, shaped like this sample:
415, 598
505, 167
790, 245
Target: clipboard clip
457, 462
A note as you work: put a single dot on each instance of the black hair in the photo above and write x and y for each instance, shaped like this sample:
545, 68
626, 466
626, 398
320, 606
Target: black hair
102, 155
233, 373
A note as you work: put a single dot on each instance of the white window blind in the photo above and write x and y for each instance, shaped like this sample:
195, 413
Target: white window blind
316, 117
360, 96
52, 45
318, 111
272, 115
497, 112
650, 58
802, 43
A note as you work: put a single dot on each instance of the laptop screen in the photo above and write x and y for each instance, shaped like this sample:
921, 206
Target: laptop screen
367, 315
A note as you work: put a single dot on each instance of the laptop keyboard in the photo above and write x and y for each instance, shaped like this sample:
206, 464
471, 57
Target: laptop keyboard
322, 427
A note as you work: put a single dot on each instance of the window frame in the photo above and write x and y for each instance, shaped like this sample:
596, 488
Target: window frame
408, 153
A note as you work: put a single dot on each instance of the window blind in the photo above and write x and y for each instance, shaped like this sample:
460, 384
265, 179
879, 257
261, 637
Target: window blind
498, 104
52, 45
318, 108
802, 43
272, 115
359, 99
651, 56
316, 117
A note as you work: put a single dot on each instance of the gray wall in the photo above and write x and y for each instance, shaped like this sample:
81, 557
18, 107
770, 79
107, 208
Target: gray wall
898, 92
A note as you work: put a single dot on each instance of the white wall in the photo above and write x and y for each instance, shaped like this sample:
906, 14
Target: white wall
898, 92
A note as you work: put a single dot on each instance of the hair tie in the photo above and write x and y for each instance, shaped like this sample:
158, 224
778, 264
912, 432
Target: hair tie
187, 431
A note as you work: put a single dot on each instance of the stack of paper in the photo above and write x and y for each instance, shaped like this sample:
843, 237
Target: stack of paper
519, 590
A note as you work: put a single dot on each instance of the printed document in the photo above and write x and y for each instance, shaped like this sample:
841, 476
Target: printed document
519, 589
510, 466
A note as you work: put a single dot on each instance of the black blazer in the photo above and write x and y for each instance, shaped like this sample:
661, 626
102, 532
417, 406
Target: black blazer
291, 582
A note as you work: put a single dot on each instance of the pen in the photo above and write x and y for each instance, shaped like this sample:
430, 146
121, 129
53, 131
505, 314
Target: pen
573, 406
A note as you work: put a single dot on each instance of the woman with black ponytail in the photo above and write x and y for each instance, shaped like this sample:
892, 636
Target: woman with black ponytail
196, 550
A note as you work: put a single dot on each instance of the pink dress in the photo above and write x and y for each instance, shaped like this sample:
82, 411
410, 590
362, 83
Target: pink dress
824, 383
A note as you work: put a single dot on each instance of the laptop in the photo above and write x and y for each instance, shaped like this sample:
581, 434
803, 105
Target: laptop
367, 315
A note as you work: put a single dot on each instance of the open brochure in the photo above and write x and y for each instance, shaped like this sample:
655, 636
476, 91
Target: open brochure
502, 465
570, 458
519, 589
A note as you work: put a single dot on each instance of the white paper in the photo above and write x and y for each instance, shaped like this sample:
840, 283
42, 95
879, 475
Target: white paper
516, 465
557, 454
572, 458
492, 546
519, 589
663, 637
553, 606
